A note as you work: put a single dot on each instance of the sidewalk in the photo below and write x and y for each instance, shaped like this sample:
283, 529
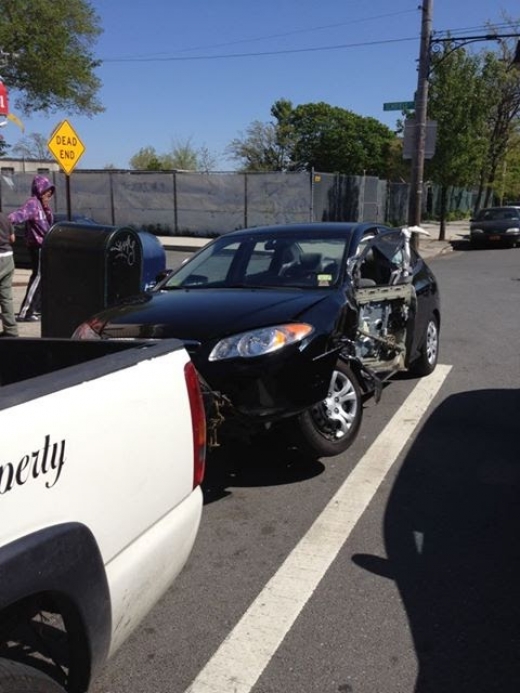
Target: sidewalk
429, 246
457, 232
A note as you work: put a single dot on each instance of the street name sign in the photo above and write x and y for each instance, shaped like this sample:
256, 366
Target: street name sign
399, 106
66, 146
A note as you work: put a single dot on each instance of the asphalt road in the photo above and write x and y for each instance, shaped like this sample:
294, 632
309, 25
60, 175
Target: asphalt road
390, 569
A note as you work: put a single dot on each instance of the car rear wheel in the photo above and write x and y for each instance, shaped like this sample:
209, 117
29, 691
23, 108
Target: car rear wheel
330, 427
429, 356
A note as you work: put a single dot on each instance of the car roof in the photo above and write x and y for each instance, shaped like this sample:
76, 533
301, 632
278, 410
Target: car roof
499, 207
325, 227
353, 231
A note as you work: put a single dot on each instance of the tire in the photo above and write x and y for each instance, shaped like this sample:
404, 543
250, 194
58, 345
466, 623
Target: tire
20, 678
429, 355
330, 427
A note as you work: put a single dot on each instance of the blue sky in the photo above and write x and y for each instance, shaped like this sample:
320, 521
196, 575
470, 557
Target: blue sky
169, 76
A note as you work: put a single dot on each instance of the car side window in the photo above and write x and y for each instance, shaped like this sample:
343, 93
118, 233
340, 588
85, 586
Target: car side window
209, 267
496, 214
217, 267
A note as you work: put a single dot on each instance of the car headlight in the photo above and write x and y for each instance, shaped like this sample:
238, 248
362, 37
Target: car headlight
264, 340
85, 331
477, 231
513, 229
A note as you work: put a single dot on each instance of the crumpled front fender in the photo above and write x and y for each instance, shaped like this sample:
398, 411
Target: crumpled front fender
368, 380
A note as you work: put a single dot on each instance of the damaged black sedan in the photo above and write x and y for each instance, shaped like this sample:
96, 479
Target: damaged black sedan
291, 326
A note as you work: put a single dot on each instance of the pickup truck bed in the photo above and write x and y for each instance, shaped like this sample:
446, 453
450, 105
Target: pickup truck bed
101, 460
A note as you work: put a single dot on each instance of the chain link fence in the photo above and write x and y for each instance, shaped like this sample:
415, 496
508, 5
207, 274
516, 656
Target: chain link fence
208, 204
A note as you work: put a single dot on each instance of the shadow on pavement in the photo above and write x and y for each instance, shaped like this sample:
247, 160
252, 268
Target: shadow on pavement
461, 244
452, 527
264, 462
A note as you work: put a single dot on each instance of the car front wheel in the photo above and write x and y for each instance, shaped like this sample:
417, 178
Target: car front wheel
331, 426
20, 678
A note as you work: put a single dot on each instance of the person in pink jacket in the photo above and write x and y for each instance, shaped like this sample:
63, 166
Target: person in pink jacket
38, 218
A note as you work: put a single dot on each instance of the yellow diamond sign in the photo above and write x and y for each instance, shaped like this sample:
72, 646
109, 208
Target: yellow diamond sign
66, 146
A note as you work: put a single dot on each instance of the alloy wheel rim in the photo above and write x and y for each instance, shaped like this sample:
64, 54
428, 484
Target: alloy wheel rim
431, 342
336, 414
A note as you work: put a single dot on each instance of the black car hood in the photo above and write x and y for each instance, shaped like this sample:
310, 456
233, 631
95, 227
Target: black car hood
201, 314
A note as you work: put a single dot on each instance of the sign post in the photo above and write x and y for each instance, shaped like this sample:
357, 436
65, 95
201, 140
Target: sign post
67, 149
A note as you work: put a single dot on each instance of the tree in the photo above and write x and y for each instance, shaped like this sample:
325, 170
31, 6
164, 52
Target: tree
266, 146
206, 160
34, 146
502, 84
257, 150
509, 176
285, 133
397, 168
48, 58
475, 100
332, 139
459, 104
315, 136
183, 157
146, 159
3, 146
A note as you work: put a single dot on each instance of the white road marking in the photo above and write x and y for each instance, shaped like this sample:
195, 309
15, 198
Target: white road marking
240, 660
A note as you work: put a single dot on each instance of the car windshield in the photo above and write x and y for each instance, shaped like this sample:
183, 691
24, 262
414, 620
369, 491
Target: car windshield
296, 261
497, 213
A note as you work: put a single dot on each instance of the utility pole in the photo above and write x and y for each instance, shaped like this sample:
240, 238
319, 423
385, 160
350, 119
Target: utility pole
421, 107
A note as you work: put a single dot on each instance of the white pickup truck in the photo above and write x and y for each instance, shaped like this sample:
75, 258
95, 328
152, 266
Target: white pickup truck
102, 453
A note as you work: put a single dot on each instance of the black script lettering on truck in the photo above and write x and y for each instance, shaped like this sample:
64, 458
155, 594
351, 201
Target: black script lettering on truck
46, 462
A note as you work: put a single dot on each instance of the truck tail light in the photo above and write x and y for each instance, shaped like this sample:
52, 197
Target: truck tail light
198, 422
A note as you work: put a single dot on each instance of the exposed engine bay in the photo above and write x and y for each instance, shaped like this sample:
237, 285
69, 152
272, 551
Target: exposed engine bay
384, 313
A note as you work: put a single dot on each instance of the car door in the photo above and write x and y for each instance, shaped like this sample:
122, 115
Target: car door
382, 273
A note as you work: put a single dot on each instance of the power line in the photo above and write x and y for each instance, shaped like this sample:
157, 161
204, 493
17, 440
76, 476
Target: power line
487, 28
269, 37
160, 57
260, 53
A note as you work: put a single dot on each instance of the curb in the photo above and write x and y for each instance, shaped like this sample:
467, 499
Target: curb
189, 245
182, 248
